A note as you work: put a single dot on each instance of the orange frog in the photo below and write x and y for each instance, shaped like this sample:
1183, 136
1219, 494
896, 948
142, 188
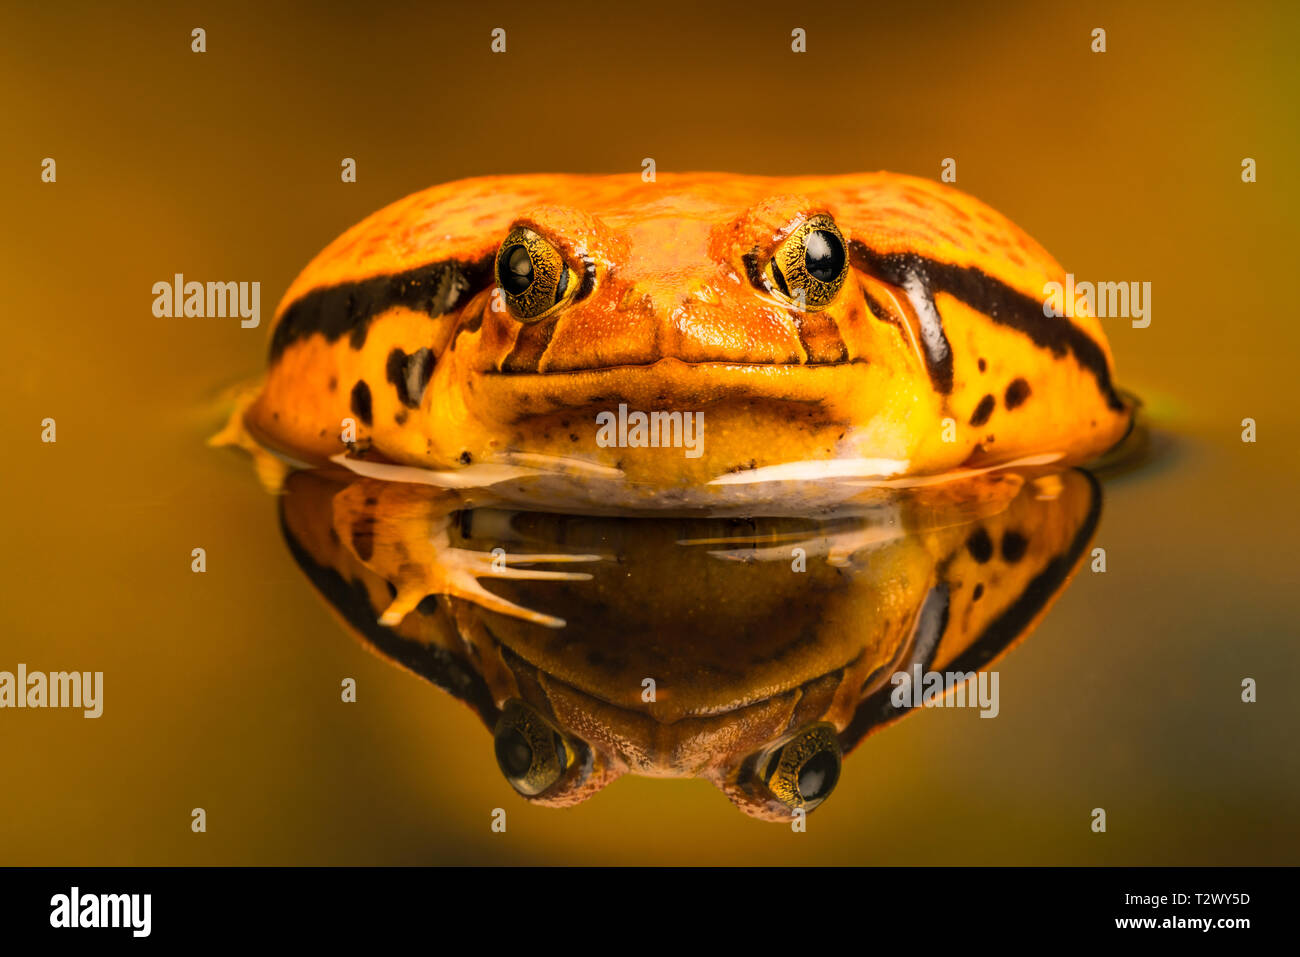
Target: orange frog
700, 341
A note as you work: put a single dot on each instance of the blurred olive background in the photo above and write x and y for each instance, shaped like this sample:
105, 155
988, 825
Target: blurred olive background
222, 689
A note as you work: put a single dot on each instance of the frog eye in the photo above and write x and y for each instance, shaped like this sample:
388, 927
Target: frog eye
531, 753
533, 275
806, 769
810, 266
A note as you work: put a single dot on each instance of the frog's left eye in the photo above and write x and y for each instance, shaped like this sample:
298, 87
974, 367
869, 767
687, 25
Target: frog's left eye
810, 266
531, 753
533, 275
806, 769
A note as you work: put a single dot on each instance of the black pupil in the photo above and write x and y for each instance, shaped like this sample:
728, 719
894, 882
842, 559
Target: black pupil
514, 754
516, 270
818, 776
823, 255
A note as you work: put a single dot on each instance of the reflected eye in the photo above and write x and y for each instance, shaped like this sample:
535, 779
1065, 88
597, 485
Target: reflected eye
806, 769
533, 275
530, 752
810, 266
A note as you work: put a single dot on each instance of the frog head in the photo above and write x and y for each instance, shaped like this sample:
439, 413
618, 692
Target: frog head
703, 331
731, 331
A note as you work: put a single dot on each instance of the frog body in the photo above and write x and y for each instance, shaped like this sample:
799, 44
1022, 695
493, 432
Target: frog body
861, 328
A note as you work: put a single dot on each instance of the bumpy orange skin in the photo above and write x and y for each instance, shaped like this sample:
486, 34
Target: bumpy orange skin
935, 354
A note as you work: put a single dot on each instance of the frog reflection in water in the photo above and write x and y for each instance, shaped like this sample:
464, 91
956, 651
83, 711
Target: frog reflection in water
870, 361
771, 644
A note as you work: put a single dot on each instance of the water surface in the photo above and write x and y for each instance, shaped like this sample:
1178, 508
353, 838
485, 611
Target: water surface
222, 689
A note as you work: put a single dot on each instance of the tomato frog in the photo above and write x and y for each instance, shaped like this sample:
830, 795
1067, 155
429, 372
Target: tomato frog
704, 341
691, 647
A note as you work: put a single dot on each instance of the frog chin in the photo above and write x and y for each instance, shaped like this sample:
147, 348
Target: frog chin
670, 433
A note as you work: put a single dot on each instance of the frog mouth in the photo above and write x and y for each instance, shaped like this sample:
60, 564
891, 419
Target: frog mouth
666, 361
676, 383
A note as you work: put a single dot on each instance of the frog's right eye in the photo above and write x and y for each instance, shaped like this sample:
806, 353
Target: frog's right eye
533, 275
530, 752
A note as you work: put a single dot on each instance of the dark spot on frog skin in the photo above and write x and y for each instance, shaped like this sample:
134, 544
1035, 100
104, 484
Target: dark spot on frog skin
363, 537
983, 365
980, 545
361, 402
979, 592
409, 374
1017, 392
1014, 546
395, 371
983, 410
334, 383
400, 417
466, 458
572, 437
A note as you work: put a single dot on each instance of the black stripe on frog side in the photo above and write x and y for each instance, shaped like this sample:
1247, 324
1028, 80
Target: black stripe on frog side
352, 601
346, 309
877, 710
934, 344
995, 299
